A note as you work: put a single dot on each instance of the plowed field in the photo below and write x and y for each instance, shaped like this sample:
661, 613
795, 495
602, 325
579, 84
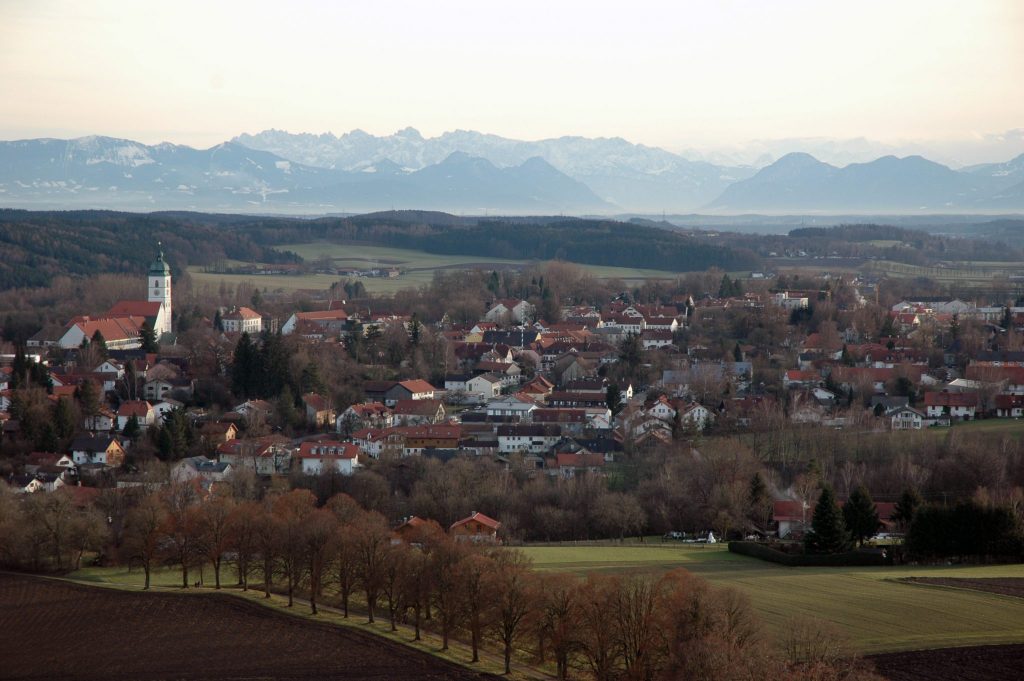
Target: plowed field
977, 663
57, 630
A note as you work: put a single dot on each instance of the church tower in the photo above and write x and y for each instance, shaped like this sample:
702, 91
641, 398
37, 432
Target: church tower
160, 290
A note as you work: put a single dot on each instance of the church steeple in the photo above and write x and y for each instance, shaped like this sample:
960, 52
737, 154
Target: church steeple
159, 283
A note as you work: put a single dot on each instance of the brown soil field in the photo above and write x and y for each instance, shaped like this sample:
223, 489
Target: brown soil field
1006, 586
57, 630
978, 663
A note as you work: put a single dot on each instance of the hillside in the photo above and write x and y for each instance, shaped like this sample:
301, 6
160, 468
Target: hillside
38, 246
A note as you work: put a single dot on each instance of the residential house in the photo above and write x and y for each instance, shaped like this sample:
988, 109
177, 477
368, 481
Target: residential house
200, 467
264, 456
322, 456
477, 528
319, 412
159, 388
365, 415
140, 409
511, 405
961, 406
99, 449
418, 412
120, 333
530, 438
508, 310
331, 322
216, 433
242, 320
906, 418
255, 411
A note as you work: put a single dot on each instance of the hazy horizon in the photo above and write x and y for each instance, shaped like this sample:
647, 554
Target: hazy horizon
732, 78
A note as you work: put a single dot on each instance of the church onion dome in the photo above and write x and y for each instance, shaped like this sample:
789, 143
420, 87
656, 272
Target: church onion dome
160, 266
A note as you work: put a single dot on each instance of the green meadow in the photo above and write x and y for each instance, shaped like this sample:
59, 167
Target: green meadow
878, 612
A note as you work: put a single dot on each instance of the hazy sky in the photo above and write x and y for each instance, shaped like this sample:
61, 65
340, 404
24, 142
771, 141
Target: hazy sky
675, 74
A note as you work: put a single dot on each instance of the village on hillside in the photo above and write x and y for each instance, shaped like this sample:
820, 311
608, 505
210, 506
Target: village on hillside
564, 398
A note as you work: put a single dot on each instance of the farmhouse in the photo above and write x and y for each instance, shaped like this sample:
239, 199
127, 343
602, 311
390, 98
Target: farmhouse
476, 528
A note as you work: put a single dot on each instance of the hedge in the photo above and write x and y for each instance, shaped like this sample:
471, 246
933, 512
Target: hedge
863, 558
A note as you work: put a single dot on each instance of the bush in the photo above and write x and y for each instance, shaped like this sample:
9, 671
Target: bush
865, 557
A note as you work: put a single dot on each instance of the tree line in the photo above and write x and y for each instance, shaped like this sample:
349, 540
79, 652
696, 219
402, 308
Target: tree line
604, 627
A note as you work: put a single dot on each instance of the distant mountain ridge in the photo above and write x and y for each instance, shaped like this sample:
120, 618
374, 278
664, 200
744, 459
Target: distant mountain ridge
475, 173
800, 182
105, 172
629, 176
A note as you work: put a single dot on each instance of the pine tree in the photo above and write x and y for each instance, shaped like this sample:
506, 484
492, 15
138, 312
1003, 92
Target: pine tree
148, 337
759, 501
165, 444
100, 343
737, 353
906, 508
613, 398
64, 420
243, 367
131, 429
218, 321
828, 531
860, 515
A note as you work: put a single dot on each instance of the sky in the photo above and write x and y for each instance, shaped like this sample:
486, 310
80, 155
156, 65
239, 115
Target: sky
681, 75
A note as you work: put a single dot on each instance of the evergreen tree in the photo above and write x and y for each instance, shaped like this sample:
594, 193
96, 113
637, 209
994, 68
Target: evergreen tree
218, 320
131, 429
613, 398
64, 420
148, 337
165, 444
847, 358
100, 343
725, 289
88, 395
243, 367
737, 353
284, 409
47, 440
19, 369
1007, 320
759, 501
310, 381
828, 531
860, 515
906, 508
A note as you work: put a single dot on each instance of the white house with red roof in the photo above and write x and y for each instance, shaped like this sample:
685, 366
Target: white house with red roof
324, 320
119, 333
324, 456
242, 320
140, 409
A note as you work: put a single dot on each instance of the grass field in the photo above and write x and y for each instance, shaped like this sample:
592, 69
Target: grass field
417, 268
879, 613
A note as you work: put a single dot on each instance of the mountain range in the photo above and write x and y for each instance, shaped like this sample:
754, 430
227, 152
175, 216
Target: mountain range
471, 172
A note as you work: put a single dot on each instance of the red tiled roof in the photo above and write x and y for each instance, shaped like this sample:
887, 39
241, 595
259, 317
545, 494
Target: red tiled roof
417, 407
328, 449
480, 518
944, 399
322, 315
417, 385
242, 313
134, 308
137, 408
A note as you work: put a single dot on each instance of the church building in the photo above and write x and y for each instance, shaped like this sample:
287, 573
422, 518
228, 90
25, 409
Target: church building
122, 324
